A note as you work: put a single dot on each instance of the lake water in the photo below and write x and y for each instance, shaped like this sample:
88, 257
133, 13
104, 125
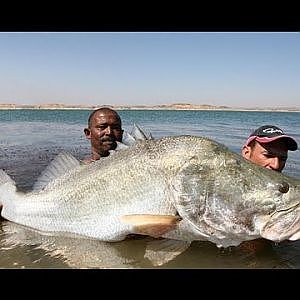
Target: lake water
29, 139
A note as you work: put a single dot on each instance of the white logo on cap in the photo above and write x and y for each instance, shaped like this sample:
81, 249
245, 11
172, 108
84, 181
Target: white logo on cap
272, 130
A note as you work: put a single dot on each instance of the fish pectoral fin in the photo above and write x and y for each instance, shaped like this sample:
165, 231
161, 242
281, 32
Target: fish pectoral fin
162, 251
153, 225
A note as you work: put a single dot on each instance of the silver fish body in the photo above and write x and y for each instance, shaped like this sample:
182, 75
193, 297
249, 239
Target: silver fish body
218, 195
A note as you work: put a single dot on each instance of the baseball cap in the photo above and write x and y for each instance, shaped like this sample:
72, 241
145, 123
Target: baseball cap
270, 133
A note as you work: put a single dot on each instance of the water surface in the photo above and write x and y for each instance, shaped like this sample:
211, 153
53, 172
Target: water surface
31, 138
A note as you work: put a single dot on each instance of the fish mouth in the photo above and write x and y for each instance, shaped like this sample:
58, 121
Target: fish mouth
283, 225
295, 236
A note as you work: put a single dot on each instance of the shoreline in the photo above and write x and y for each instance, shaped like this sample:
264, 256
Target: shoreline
164, 109
172, 107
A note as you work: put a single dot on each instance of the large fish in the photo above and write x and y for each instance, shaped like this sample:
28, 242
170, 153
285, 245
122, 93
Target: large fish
182, 188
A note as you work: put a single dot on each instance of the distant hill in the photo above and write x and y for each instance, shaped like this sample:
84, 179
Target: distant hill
173, 106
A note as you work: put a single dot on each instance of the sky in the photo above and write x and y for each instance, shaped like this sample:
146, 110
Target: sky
237, 69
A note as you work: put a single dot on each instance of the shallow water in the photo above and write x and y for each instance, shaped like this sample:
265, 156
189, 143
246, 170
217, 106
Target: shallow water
24, 248
30, 139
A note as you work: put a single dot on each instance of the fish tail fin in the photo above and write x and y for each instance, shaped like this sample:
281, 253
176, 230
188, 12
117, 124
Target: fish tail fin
7, 190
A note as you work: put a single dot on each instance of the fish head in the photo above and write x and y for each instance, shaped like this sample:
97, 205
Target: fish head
230, 199
278, 196
284, 222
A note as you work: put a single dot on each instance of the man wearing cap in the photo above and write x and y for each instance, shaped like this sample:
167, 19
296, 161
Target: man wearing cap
268, 146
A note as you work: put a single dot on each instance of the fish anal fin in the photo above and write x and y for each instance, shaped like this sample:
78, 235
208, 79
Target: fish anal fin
152, 225
160, 252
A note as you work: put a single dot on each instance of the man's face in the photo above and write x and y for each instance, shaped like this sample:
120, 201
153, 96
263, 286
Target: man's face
271, 155
104, 131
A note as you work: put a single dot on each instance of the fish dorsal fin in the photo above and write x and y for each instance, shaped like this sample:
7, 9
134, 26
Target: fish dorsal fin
162, 251
152, 225
150, 137
120, 146
138, 133
128, 139
60, 165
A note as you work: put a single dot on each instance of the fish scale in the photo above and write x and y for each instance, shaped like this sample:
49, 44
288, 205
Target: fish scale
218, 195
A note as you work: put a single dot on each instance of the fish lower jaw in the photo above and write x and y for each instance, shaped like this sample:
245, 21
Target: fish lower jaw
284, 227
295, 236
279, 237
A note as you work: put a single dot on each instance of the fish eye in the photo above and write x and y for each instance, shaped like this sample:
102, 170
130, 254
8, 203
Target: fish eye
283, 187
